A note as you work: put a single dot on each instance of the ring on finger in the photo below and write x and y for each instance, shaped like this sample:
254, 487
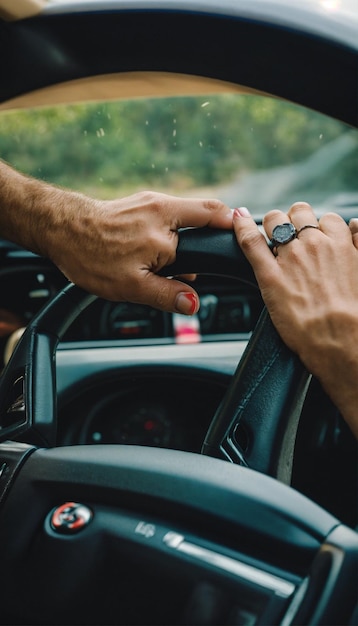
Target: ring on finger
304, 227
282, 234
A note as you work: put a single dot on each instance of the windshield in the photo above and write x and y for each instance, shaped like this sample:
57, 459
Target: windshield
246, 150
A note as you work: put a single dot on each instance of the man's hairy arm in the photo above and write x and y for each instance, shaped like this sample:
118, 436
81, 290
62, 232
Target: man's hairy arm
114, 248
32, 213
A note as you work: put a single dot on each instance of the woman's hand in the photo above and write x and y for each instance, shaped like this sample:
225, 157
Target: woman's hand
311, 291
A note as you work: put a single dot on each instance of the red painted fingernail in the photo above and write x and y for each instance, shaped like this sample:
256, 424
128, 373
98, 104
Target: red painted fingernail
186, 303
241, 212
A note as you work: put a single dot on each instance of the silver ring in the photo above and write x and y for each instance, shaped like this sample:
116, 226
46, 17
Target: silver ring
282, 234
306, 226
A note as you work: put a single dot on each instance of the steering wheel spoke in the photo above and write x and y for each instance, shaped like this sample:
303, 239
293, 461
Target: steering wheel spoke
28, 407
257, 421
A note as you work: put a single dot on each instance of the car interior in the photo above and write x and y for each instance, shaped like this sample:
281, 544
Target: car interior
157, 468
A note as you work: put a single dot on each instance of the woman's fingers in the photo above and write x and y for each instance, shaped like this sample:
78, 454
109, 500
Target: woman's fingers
301, 214
353, 226
253, 243
273, 219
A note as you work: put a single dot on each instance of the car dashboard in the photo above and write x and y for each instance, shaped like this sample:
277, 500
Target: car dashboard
27, 282
129, 374
145, 372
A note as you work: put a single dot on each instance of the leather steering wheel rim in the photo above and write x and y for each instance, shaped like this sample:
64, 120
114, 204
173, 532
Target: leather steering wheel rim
257, 421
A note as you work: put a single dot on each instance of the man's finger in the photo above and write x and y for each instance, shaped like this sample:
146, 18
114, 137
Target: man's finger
168, 294
199, 213
189, 277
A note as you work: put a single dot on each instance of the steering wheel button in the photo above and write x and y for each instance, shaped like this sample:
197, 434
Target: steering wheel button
71, 517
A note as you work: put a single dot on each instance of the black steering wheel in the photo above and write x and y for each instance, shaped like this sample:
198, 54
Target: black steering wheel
257, 421
134, 535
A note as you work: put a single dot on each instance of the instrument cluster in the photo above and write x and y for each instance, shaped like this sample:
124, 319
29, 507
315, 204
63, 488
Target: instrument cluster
163, 408
228, 309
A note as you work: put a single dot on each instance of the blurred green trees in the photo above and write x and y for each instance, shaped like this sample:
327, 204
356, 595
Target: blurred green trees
171, 144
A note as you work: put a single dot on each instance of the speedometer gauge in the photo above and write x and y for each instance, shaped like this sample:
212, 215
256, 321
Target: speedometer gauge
136, 422
144, 426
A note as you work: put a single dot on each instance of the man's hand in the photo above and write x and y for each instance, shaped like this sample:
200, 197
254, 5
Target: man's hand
115, 249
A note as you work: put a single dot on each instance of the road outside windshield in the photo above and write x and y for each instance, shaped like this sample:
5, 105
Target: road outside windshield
246, 150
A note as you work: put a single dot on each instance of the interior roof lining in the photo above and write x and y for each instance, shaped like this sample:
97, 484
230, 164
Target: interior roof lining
11, 10
122, 86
